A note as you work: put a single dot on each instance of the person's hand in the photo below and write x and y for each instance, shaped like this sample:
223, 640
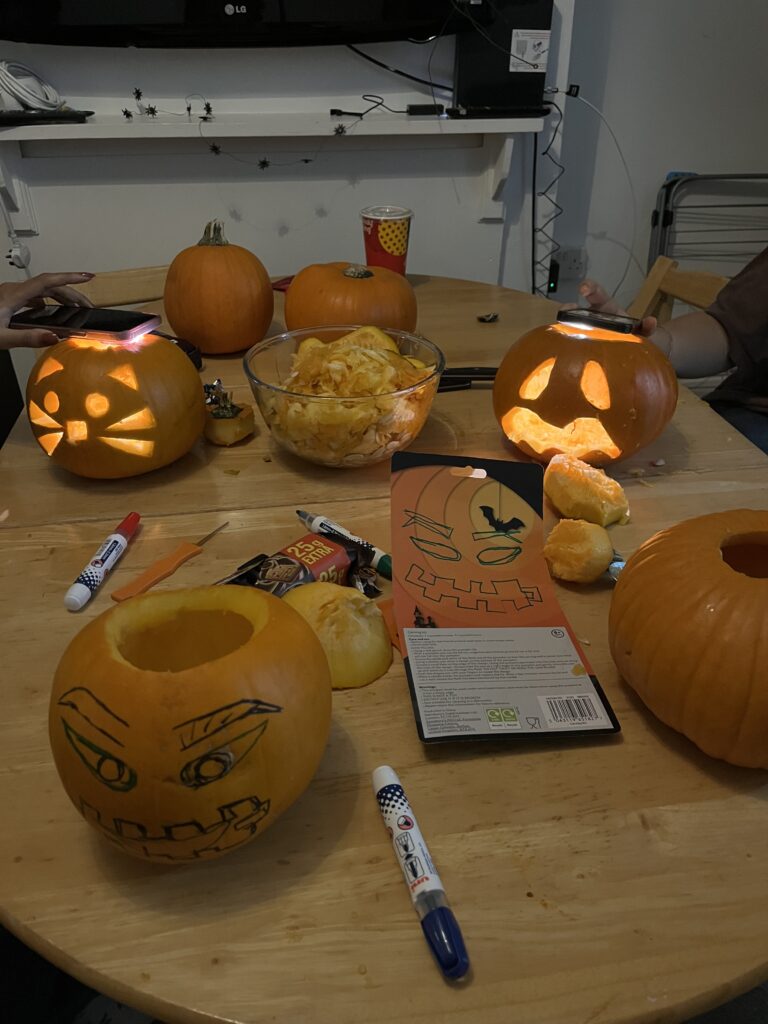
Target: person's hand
16, 296
597, 298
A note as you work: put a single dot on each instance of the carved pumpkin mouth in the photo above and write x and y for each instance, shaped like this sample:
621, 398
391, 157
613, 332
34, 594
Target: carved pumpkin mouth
585, 435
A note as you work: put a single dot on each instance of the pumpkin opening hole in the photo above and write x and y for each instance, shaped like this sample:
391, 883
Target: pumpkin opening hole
182, 641
748, 555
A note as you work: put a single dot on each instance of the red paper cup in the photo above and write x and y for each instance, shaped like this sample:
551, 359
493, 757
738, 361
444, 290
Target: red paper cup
385, 233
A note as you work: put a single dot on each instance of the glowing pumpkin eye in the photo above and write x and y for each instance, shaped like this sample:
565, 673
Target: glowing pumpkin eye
96, 404
594, 385
126, 375
50, 366
535, 383
51, 402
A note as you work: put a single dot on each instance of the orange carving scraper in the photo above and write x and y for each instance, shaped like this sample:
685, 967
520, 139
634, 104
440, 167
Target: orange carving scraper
163, 567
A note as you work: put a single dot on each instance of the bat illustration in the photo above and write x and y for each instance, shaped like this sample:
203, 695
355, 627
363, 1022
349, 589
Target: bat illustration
499, 524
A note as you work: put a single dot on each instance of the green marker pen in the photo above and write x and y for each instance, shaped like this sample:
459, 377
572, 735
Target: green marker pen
382, 562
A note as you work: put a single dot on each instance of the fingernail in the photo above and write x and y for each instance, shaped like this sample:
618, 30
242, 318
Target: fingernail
86, 275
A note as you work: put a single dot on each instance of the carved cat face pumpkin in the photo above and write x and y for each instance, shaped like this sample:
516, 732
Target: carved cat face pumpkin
597, 394
115, 410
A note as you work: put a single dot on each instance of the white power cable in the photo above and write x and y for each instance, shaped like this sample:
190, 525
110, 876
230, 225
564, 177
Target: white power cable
34, 93
631, 255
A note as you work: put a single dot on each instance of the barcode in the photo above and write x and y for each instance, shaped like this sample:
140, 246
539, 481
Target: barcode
572, 709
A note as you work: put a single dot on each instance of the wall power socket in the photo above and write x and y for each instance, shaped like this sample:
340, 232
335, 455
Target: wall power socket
573, 264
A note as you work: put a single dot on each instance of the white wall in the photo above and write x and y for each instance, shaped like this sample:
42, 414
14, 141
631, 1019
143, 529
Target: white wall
104, 206
683, 84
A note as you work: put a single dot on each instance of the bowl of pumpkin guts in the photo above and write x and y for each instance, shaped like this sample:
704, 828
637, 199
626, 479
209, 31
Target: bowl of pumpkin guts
344, 396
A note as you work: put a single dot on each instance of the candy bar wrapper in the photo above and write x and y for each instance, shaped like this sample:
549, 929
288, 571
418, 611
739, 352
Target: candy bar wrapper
308, 559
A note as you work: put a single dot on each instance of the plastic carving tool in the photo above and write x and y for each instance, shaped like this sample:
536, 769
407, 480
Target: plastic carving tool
164, 567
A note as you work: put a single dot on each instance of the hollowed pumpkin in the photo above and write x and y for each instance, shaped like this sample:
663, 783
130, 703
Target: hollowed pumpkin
326, 294
109, 410
686, 631
594, 393
184, 723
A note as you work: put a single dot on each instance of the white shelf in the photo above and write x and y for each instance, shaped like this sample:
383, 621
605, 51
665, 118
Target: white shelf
271, 125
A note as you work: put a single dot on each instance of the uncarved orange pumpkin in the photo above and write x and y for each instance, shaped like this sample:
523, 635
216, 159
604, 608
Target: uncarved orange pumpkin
597, 394
217, 295
686, 631
326, 294
108, 410
183, 723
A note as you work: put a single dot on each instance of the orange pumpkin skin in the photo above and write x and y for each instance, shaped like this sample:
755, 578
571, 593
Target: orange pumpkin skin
549, 376
109, 411
326, 294
218, 296
183, 723
685, 631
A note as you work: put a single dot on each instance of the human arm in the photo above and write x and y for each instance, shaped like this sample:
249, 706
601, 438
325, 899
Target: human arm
696, 344
15, 296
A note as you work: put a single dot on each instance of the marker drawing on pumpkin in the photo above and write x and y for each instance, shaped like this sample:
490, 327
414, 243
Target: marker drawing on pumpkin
102, 563
235, 822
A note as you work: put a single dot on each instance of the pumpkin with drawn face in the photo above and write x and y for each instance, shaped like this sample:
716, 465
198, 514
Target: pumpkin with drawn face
109, 410
578, 388
183, 723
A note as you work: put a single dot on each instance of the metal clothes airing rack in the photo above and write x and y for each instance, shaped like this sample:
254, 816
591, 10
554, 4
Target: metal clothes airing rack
718, 218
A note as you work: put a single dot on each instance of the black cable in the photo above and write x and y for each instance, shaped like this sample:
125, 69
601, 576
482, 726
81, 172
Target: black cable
544, 262
375, 101
534, 289
397, 71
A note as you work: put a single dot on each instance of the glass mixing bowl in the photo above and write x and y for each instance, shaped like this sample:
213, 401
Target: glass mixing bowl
346, 431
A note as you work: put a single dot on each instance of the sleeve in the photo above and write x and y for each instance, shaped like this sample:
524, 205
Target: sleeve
741, 308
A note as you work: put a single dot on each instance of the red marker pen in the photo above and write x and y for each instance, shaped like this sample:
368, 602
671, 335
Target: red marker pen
102, 563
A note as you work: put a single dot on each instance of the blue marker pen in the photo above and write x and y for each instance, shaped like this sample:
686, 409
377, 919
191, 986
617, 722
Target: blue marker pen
440, 927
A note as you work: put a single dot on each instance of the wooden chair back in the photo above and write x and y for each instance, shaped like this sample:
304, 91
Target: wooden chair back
126, 287
665, 284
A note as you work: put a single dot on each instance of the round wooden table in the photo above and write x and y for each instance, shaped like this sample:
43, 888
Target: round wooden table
604, 882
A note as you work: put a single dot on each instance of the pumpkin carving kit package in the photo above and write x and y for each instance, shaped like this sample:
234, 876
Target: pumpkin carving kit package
488, 651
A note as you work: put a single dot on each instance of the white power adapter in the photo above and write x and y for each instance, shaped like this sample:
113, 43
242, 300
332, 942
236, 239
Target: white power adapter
18, 255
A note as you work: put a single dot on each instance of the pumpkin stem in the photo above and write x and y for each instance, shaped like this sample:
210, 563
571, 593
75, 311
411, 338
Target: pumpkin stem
355, 270
213, 234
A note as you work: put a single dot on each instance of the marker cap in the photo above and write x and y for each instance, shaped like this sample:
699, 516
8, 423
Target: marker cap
77, 597
129, 525
383, 566
443, 934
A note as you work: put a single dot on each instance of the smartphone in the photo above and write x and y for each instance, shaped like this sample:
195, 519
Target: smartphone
81, 321
594, 318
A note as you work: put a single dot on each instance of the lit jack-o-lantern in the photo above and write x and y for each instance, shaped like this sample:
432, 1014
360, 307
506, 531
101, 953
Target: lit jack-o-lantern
112, 410
584, 386
183, 723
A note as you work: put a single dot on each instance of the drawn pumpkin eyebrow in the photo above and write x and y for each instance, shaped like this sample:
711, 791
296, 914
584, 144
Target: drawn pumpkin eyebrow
89, 707
196, 730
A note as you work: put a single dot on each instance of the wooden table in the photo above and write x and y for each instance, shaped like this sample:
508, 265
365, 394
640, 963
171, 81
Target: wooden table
596, 884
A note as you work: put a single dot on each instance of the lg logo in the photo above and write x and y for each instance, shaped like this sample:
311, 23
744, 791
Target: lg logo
235, 9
